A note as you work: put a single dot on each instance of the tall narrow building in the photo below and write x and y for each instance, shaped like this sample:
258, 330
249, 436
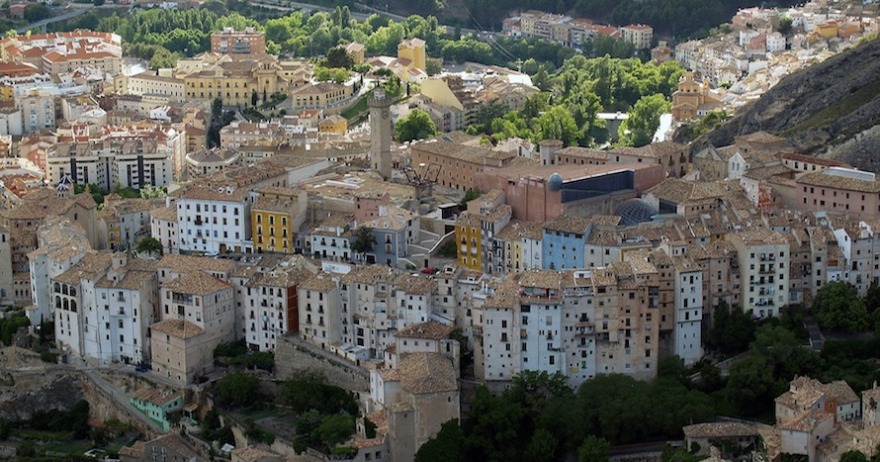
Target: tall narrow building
380, 134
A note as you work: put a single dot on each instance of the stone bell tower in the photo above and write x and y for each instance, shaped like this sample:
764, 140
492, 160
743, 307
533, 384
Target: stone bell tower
380, 133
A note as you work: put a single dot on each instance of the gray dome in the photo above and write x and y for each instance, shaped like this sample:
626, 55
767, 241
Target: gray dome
555, 182
634, 211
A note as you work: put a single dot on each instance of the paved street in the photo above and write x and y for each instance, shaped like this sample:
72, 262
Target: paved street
121, 399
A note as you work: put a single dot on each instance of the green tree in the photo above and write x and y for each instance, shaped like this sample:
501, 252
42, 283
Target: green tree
497, 428
363, 240
594, 449
644, 118
434, 66
853, 456
542, 447
557, 123
306, 423
149, 245
332, 74
338, 57
37, 12
446, 446
837, 307
785, 25
732, 330
334, 430
470, 195
162, 58
307, 389
415, 126
238, 390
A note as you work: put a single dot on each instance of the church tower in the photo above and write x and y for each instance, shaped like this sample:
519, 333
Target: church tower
380, 133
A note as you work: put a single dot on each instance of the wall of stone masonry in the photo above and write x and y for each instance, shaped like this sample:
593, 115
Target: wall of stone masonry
292, 354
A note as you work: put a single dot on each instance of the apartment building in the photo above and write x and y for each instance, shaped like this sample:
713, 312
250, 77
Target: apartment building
860, 246
130, 156
469, 241
331, 238
565, 239
239, 133
152, 84
376, 301
60, 52
394, 230
213, 215
70, 291
276, 215
688, 309
522, 246
163, 227
327, 96
249, 42
271, 302
764, 271
61, 245
209, 161
639, 35
37, 112
214, 220
323, 320
125, 305
840, 188
413, 50
579, 323
476, 231
197, 314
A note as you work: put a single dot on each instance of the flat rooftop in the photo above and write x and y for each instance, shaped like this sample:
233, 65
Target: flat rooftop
568, 172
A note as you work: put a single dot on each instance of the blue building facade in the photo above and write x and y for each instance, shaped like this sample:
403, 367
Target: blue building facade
565, 239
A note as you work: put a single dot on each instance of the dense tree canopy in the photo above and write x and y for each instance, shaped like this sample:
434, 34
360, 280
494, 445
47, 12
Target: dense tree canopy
732, 330
36, 12
417, 125
837, 307
238, 390
644, 119
676, 17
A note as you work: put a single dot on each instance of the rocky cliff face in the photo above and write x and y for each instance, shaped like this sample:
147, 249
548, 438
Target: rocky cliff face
37, 392
831, 110
28, 385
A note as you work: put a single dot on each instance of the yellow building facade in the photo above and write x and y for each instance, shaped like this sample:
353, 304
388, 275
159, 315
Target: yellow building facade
275, 217
333, 124
468, 238
240, 82
272, 231
415, 51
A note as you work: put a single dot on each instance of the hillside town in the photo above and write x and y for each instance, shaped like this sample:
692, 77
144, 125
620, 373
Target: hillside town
150, 223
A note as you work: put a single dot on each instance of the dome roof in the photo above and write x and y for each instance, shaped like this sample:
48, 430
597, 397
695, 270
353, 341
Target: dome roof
634, 211
555, 182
